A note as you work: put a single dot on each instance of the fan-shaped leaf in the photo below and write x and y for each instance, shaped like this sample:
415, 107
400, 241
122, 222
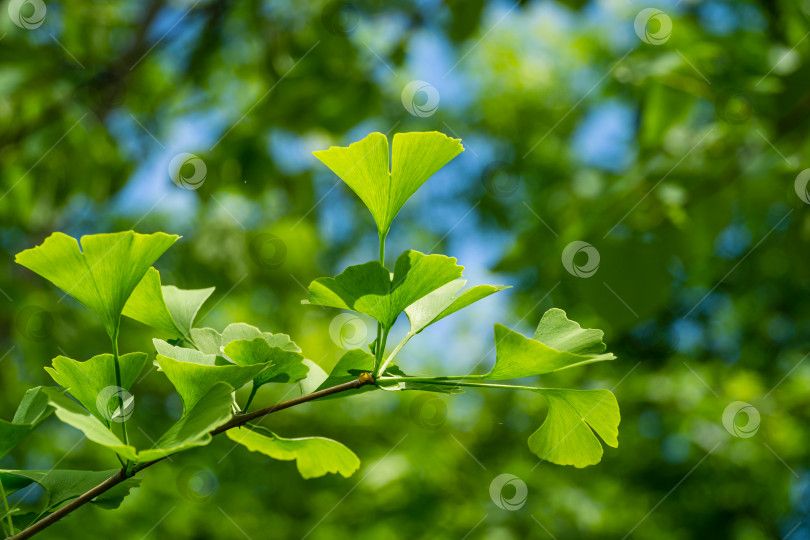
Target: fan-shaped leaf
62, 486
369, 288
518, 356
286, 366
567, 435
314, 456
165, 308
87, 380
445, 301
193, 429
103, 273
384, 190
32, 410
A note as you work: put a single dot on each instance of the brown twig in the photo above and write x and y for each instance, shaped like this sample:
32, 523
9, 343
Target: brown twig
237, 421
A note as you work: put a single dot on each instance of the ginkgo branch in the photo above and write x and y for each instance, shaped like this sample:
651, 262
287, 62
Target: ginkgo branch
238, 420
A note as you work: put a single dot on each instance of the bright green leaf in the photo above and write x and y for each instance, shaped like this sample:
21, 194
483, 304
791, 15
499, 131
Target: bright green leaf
184, 354
286, 366
93, 383
103, 273
445, 301
567, 435
384, 190
348, 368
314, 456
193, 429
32, 410
62, 486
165, 308
519, 356
192, 381
370, 289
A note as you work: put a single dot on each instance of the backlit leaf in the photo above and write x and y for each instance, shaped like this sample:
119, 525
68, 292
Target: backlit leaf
286, 366
445, 301
567, 435
32, 410
370, 289
193, 429
384, 190
166, 307
103, 273
314, 456
519, 356
93, 383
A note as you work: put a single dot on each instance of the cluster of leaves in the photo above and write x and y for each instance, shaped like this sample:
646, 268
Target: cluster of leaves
112, 275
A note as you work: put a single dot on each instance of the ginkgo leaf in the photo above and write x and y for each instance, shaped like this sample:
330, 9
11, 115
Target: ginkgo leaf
62, 486
314, 379
210, 341
348, 368
33, 409
212, 410
445, 301
285, 366
166, 307
314, 456
370, 289
384, 190
566, 437
184, 354
519, 356
192, 380
103, 273
93, 383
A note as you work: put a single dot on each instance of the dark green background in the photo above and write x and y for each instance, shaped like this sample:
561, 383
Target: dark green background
677, 161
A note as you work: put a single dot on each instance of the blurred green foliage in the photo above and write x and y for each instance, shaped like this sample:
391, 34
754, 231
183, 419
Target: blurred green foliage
676, 158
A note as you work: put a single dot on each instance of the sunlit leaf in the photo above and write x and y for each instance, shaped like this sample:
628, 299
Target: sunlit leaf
384, 190
210, 341
165, 308
445, 301
286, 366
103, 273
32, 410
370, 289
62, 486
193, 429
519, 356
93, 382
192, 380
314, 456
423, 386
567, 435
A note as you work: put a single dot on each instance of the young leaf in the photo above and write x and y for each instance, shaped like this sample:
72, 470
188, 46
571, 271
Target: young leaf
445, 301
62, 486
32, 410
87, 380
184, 354
369, 288
518, 356
314, 456
103, 273
192, 381
364, 167
349, 367
285, 366
193, 429
166, 308
567, 435
210, 341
